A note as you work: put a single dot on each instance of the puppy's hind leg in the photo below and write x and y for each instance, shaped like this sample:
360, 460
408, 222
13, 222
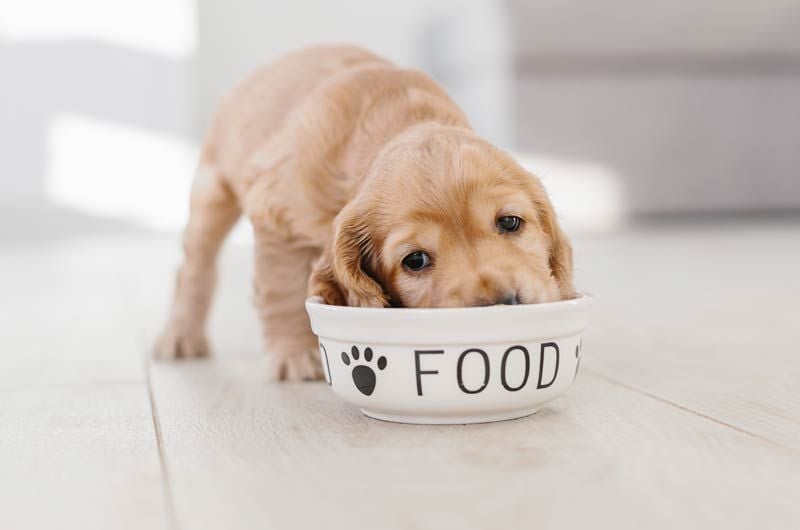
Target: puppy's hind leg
214, 211
281, 284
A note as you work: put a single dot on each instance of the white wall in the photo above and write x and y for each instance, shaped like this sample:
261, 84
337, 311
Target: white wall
102, 102
234, 37
94, 96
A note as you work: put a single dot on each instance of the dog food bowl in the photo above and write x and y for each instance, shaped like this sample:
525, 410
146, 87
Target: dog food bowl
450, 365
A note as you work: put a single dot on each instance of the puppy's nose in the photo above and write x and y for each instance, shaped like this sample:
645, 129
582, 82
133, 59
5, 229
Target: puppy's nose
509, 299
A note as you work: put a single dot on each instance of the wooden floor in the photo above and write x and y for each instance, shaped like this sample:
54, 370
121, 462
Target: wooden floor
686, 413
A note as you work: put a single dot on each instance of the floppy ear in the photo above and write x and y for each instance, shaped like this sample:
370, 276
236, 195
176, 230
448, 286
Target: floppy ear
560, 248
341, 276
323, 283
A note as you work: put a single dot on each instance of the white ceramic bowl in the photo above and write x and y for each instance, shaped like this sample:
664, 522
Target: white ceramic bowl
460, 365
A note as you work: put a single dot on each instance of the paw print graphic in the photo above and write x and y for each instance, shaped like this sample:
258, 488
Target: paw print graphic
363, 375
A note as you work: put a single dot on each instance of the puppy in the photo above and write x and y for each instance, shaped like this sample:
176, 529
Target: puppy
366, 186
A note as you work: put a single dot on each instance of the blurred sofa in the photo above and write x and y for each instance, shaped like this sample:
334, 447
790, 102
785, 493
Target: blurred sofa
692, 106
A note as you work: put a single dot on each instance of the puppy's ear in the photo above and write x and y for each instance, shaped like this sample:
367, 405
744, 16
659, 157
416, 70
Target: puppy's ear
342, 275
560, 248
322, 281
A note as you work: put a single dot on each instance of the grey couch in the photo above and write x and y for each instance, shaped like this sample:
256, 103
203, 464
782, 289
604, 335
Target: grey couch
694, 105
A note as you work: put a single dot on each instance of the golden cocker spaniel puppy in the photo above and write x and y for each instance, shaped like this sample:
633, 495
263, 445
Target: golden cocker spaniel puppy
365, 185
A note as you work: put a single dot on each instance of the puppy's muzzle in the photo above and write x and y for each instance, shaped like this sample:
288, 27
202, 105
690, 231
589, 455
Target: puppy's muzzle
508, 299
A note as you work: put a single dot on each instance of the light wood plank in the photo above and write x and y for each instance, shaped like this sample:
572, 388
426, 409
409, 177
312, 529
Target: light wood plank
65, 315
79, 457
243, 453
704, 318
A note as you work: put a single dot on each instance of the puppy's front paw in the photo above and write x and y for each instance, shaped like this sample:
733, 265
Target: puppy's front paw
177, 343
300, 366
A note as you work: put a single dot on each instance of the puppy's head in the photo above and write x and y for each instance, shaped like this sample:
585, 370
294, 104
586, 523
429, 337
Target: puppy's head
444, 219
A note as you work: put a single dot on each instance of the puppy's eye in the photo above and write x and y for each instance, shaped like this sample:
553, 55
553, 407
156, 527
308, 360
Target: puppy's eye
508, 223
416, 261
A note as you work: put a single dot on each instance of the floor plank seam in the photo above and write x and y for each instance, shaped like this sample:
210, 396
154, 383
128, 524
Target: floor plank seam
162, 456
686, 409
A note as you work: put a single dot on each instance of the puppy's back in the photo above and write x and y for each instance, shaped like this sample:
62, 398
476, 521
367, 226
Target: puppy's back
257, 108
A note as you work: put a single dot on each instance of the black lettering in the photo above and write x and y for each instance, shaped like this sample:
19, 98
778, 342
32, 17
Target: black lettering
503, 368
327, 366
417, 353
485, 368
541, 364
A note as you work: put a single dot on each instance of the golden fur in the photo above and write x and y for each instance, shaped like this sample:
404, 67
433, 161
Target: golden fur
344, 164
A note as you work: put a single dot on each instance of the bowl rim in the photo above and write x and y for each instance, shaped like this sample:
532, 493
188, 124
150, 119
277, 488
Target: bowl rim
582, 298
450, 325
